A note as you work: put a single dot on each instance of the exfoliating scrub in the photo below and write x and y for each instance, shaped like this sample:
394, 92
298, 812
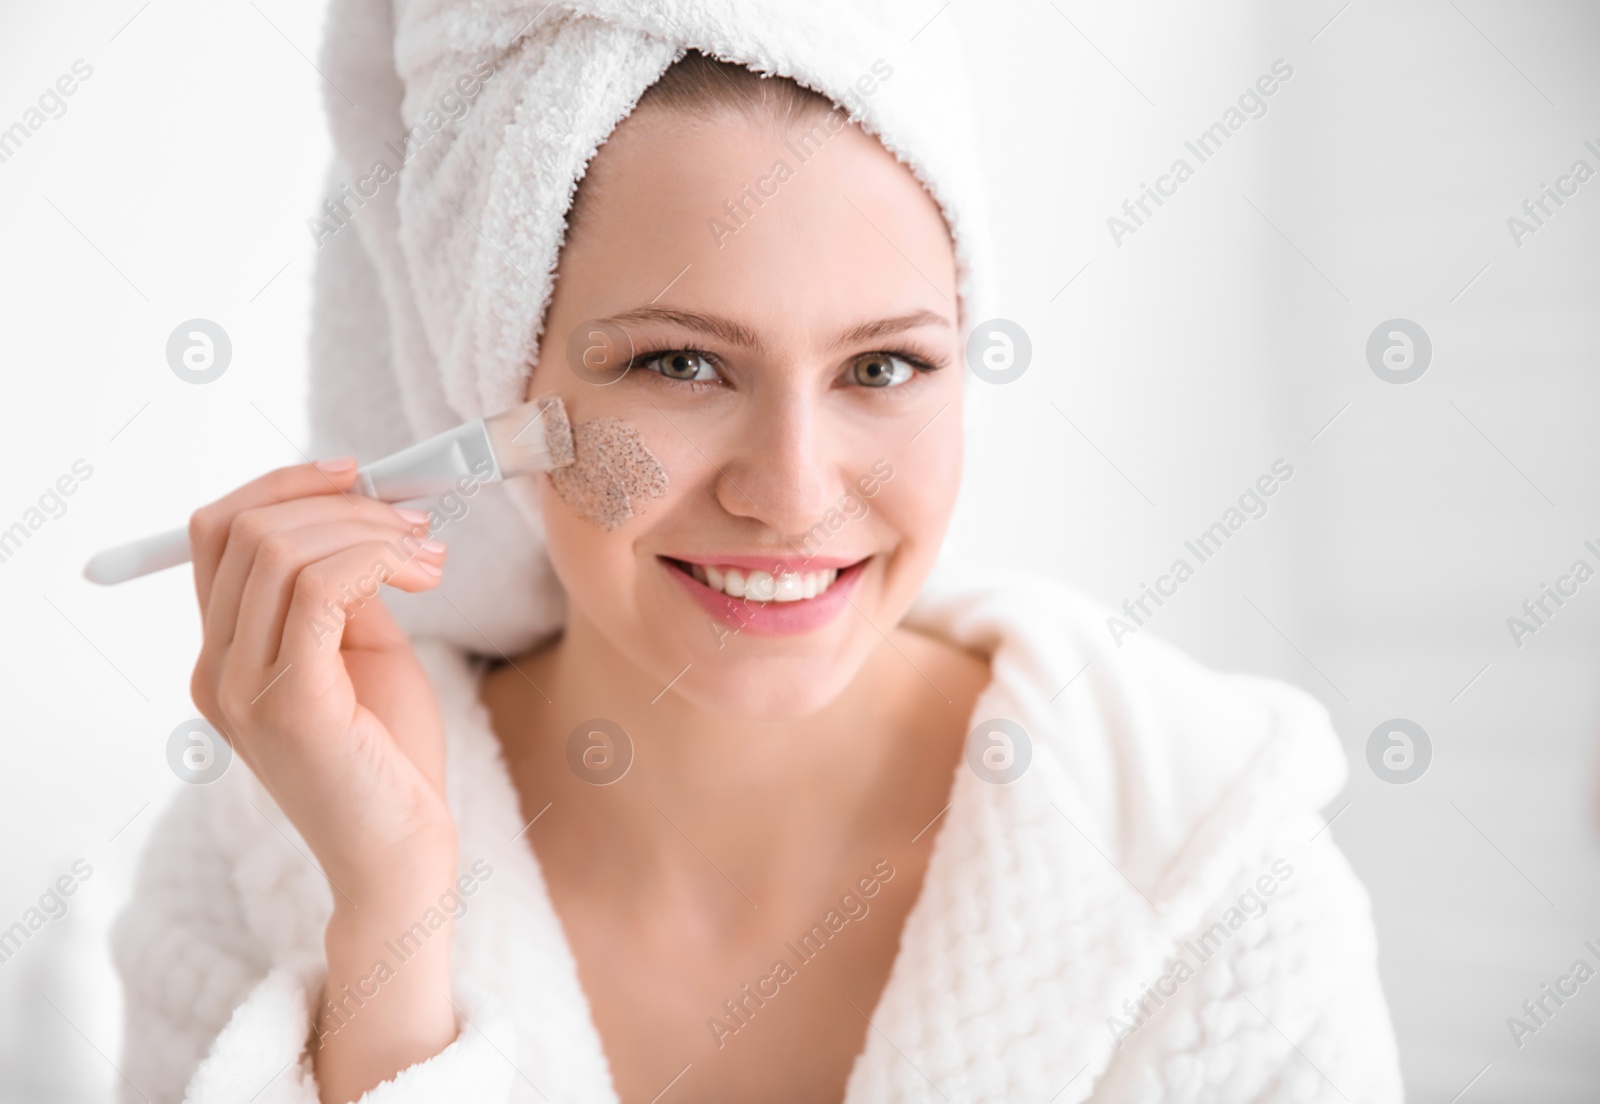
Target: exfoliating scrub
612, 470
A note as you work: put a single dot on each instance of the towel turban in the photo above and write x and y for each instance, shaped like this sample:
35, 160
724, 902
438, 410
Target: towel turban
461, 131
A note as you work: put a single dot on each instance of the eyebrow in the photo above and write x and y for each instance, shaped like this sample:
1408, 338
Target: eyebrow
883, 327
736, 333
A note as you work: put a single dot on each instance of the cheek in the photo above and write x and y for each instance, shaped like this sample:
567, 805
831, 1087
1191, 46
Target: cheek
627, 479
631, 473
917, 499
599, 569
616, 475
584, 554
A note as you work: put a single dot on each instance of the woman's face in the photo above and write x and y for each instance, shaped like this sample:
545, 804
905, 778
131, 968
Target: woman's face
787, 301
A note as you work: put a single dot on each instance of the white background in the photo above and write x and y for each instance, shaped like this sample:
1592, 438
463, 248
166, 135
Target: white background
1226, 333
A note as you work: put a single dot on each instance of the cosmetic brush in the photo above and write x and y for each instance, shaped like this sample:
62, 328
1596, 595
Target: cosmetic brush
533, 437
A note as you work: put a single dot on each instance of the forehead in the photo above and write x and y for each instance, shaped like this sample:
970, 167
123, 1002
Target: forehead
786, 226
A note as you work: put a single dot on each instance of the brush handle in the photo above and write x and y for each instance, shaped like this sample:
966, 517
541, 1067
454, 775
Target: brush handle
140, 557
428, 468
431, 467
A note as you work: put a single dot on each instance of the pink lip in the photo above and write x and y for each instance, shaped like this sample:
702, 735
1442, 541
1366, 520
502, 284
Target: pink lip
770, 618
772, 562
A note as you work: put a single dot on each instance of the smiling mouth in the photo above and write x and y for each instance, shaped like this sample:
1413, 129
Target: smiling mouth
764, 586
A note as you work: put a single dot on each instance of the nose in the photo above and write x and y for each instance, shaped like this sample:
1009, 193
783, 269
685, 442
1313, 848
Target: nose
780, 469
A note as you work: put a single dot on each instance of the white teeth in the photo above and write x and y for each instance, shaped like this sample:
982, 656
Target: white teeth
791, 588
762, 586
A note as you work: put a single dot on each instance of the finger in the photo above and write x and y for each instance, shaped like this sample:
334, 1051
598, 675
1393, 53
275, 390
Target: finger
281, 558
219, 617
209, 525
252, 527
320, 691
311, 636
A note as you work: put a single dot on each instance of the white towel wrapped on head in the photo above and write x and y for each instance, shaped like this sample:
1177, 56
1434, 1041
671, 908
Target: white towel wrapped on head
431, 293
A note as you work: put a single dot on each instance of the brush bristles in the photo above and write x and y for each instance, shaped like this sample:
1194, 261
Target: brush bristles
533, 437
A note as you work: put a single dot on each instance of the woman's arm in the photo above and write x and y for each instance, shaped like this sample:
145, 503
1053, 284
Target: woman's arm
379, 1013
320, 695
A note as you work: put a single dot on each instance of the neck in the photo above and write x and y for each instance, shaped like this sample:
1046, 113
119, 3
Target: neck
761, 801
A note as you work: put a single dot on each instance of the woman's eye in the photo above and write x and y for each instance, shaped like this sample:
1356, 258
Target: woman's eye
682, 365
880, 370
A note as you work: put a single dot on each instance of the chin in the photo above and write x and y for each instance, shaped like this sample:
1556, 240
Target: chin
769, 688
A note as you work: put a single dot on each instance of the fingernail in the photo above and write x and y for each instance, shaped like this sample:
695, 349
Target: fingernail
430, 569
415, 517
337, 463
436, 547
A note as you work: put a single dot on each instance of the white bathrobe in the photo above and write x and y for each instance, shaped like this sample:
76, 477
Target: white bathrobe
1153, 911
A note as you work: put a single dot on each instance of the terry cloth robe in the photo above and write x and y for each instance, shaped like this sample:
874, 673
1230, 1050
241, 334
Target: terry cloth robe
1152, 910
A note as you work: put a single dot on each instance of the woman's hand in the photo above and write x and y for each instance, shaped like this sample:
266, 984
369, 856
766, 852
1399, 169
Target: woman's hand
306, 674
318, 690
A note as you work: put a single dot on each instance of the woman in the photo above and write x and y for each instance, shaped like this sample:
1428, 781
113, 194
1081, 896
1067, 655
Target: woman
762, 814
